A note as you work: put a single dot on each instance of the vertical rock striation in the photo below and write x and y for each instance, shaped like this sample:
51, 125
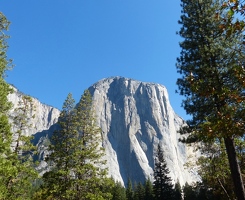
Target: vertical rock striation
134, 117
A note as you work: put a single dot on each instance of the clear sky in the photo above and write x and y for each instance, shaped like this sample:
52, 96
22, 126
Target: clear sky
62, 46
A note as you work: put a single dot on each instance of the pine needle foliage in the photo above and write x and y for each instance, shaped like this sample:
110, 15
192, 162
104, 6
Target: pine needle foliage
5, 105
78, 168
211, 65
162, 184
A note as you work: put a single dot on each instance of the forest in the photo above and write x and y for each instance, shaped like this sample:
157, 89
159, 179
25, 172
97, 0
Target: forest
212, 81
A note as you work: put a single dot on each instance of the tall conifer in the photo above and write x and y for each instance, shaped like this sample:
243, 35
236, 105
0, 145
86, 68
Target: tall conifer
162, 184
211, 64
5, 132
78, 168
16, 167
119, 192
148, 190
129, 190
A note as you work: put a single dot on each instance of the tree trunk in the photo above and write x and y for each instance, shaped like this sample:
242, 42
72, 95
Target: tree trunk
235, 168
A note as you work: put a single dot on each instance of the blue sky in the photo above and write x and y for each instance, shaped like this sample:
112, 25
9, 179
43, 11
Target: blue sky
61, 46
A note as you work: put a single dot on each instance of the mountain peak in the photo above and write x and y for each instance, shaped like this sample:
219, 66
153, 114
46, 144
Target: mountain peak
135, 117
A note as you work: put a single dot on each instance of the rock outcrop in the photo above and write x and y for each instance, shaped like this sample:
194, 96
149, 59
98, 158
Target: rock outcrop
45, 116
134, 117
42, 125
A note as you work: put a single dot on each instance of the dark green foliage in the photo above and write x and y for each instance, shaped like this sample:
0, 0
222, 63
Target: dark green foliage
148, 190
16, 165
177, 191
139, 192
162, 185
189, 192
119, 192
212, 80
129, 191
200, 191
21, 156
214, 170
6, 170
78, 171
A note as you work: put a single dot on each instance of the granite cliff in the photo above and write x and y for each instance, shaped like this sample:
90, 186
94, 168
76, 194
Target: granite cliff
134, 117
42, 125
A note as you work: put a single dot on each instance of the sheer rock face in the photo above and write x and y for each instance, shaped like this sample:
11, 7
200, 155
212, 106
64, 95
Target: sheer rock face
134, 117
42, 125
45, 116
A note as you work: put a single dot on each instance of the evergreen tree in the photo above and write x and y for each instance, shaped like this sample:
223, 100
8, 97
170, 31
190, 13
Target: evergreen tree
16, 166
139, 192
90, 171
119, 192
148, 190
177, 191
6, 170
189, 192
162, 185
78, 171
58, 181
234, 21
129, 191
22, 151
214, 170
213, 76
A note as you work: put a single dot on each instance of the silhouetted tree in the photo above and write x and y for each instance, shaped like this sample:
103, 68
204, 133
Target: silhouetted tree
162, 185
189, 192
177, 191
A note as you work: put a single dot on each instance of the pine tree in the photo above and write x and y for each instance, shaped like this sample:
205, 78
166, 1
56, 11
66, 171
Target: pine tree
162, 185
214, 170
189, 192
129, 191
78, 171
90, 171
148, 190
177, 191
139, 192
119, 192
58, 181
6, 170
235, 10
211, 64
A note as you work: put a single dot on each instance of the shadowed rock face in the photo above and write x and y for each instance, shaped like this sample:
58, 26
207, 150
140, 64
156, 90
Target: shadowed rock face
134, 117
42, 125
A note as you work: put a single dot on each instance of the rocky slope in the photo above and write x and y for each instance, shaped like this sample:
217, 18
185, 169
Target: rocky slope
134, 117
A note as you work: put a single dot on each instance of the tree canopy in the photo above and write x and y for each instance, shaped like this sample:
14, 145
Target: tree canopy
78, 170
211, 64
